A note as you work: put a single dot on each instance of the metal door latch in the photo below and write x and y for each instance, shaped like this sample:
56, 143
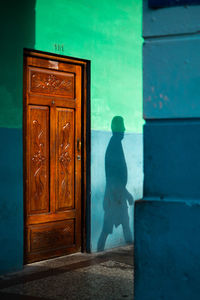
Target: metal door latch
78, 145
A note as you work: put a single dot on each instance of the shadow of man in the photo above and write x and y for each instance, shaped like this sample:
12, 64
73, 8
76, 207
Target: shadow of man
116, 195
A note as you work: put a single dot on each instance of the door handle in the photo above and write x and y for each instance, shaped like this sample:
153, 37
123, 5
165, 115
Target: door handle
78, 145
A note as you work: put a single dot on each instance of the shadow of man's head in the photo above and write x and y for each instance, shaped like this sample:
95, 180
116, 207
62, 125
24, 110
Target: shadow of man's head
117, 126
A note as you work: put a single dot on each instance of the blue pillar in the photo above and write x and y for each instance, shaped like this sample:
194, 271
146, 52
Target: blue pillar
167, 219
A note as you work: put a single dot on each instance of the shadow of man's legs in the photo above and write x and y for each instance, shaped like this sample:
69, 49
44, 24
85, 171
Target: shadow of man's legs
116, 195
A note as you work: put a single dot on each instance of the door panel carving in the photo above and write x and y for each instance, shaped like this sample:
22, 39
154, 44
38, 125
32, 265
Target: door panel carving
38, 167
51, 83
65, 159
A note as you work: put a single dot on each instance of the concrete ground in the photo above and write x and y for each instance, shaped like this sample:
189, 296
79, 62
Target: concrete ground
107, 275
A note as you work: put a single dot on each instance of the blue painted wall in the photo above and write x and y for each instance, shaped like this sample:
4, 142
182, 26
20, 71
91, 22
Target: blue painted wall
170, 21
167, 219
11, 219
171, 159
181, 99
167, 251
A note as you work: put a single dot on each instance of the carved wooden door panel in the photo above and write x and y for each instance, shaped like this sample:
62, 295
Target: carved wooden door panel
52, 145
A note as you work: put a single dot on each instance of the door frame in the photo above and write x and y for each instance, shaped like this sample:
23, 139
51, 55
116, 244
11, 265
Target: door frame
86, 134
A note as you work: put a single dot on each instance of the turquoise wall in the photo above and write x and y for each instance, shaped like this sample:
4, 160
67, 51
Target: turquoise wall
108, 33
167, 221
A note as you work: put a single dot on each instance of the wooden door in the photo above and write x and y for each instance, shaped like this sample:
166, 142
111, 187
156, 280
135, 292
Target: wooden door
52, 160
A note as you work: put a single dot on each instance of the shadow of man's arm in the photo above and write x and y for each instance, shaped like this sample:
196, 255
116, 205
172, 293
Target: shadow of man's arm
129, 197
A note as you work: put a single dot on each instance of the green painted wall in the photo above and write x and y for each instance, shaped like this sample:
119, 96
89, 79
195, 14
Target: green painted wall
109, 34
17, 20
106, 32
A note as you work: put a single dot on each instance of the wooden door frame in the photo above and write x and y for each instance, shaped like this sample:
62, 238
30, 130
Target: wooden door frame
86, 131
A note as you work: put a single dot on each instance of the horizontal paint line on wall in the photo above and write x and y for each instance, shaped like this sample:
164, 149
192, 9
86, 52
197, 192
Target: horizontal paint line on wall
168, 3
171, 37
187, 201
166, 121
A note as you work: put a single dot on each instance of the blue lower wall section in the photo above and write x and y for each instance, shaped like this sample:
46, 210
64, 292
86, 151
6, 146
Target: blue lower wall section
111, 213
167, 256
11, 200
171, 159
